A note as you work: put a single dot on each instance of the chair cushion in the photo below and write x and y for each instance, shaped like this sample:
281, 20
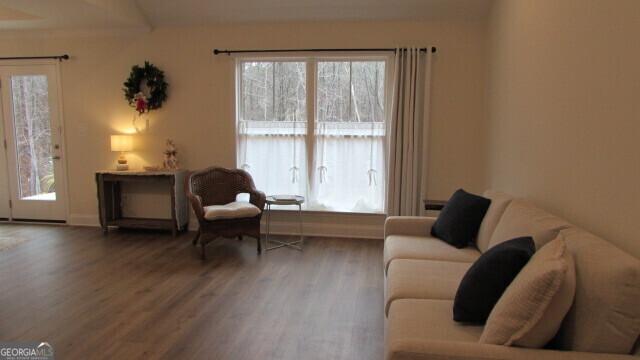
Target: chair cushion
425, 248
460, 219
605, 316
489, 277
232, 210
416, 320
499, 203
423, 279
531, 310
523, 219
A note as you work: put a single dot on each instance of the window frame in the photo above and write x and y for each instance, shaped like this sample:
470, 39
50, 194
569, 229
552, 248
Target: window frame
311, 62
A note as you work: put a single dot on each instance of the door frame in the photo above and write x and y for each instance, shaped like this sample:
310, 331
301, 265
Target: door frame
61, 124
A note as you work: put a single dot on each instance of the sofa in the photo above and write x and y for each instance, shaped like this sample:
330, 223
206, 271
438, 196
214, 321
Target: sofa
422, 275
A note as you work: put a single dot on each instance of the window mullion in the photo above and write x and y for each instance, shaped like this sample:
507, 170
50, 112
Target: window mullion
350, 89
311, 122
273, 91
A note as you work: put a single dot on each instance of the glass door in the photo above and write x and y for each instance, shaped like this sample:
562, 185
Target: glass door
33, 150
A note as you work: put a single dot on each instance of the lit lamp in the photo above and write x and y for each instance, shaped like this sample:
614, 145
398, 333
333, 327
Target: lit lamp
122, 144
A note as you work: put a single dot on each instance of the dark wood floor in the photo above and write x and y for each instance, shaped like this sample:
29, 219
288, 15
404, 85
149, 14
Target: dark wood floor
146, 295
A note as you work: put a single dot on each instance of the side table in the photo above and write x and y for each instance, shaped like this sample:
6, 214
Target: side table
276, 200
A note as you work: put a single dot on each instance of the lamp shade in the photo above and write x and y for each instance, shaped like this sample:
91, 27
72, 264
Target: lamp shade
121, 143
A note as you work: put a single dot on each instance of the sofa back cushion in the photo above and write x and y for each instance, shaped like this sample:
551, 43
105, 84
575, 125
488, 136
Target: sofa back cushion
522, 218
605, 316
499, 202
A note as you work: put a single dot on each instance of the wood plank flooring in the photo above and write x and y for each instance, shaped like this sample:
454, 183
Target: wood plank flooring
146, 295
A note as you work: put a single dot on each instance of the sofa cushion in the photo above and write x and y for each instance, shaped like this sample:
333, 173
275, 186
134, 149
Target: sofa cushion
233, 210
423, 279
488, 277
415, 320
605, 316
425, 248
530, 311
524, 219
499, 202
460, 219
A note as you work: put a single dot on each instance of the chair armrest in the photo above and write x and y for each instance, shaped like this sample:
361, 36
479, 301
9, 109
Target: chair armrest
419, 349
196, 204
257, 198
408, 225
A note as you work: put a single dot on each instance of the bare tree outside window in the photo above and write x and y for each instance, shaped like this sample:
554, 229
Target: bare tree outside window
351, 91
33, 135
274, 91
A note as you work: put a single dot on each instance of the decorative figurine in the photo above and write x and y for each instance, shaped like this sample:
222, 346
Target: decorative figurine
171, 156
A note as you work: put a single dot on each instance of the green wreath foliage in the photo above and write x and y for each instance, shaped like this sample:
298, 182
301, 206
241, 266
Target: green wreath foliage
154, 78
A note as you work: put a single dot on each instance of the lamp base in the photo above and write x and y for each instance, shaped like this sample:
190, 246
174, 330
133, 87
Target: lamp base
122, 167
122, 163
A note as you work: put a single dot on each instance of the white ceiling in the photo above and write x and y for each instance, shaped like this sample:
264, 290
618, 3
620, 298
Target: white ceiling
101, 14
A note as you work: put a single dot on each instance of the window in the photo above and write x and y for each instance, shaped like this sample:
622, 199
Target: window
321, 136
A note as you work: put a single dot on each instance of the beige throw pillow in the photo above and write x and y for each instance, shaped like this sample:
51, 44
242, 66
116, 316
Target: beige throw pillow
532, 308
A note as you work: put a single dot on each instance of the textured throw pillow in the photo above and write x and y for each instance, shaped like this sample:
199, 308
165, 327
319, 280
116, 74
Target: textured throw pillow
531, 310
460, 219
488, 277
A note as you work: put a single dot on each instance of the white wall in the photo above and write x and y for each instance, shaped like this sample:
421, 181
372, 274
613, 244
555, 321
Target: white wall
199, 113
564, 113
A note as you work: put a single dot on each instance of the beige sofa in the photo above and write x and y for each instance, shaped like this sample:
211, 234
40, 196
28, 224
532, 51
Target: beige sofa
422, 275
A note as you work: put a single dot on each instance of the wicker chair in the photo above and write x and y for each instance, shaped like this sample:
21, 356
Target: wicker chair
219, 186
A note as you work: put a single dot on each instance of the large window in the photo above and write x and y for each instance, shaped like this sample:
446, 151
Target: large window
315, 127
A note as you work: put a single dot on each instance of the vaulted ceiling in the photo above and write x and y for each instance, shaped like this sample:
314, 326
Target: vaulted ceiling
104, 14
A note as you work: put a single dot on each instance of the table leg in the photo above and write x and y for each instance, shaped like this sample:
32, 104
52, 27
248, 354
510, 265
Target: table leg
300, 225
268, 226
174, 215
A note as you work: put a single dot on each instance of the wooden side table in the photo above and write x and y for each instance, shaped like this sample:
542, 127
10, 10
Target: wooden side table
110, 199
435, 205
296, 201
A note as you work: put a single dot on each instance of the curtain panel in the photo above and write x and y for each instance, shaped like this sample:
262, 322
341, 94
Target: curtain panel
407, 176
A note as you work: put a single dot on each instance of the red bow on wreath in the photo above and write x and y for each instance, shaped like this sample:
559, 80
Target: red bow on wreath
141, 102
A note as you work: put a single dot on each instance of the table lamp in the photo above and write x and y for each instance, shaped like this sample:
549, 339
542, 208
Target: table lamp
122, 144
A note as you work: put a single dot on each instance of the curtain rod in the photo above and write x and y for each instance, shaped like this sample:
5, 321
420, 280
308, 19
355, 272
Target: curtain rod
229, 52
56, 57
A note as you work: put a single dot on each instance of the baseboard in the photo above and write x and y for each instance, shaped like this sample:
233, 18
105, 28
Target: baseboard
362, 226
83, 220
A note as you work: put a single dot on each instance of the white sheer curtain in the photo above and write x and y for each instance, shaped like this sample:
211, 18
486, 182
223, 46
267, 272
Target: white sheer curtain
409, 126
349, 167
274, 153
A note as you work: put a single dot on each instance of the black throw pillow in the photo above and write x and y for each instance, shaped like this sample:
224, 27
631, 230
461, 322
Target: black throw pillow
460, 219
489, 277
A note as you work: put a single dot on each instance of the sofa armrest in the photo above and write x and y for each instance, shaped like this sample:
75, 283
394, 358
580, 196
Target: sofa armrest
418, 349
408, 225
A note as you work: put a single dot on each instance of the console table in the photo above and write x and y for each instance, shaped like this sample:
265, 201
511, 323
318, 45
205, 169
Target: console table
110, 199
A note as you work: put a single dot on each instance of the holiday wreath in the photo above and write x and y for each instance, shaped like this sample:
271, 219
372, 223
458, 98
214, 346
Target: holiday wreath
145, 89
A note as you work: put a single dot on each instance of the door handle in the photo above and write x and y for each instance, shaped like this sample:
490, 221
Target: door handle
56, 158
